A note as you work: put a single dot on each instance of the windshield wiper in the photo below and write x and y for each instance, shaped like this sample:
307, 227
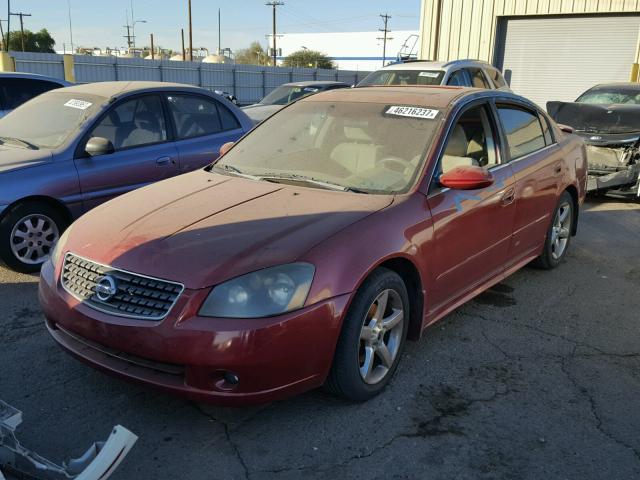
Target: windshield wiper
310, 180
28, 145
235, 171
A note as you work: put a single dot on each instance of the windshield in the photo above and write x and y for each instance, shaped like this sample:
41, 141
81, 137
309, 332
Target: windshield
366, 147
287, 94
610, 96
49, 119
403, 77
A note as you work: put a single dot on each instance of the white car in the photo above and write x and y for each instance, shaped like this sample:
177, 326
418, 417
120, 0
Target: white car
463, 73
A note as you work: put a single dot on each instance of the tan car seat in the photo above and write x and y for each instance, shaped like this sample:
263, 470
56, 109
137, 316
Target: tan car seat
359, 153
457, 150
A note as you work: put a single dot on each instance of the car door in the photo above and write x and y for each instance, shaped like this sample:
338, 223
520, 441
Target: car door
472, 228
202, 125
143, 151
538, 168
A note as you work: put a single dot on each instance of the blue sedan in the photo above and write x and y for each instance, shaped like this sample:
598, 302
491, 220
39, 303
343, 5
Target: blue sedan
71, 149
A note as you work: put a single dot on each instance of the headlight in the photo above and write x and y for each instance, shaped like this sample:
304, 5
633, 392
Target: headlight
264, 293
59, 248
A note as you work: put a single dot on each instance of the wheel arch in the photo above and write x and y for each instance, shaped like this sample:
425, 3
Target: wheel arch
53, 202
408, 271
573, 191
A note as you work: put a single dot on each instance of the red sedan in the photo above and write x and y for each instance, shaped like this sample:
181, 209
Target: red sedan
307, 254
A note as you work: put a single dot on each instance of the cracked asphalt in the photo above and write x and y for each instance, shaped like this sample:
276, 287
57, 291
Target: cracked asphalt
537, 378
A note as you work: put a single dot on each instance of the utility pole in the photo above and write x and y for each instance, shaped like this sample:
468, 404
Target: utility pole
70, 26
385, 20
219, 36
153, 55
8, 22
21, 15
190, 35
274, 4
183, 54
128, 36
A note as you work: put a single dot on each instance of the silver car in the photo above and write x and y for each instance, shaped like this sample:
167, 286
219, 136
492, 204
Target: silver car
462, 73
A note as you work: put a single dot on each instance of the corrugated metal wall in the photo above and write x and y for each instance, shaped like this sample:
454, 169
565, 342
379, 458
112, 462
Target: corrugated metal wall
468, 27
249, 83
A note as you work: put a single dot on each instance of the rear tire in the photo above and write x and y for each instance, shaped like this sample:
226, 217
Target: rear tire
372, 338
558, 238
28, 234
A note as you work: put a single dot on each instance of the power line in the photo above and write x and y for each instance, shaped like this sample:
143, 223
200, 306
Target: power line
385, 20
274, 4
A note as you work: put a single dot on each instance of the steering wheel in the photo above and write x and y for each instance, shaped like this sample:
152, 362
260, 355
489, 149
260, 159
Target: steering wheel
396, 164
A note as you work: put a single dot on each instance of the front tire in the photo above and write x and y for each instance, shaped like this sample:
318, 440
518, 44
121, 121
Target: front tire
28, 234
558, 238
372, 338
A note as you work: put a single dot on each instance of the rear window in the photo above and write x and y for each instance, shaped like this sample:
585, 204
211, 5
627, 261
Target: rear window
16, 91
523, 130
403, 77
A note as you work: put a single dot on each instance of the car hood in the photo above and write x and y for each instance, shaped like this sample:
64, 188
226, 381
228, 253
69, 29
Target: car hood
13, 157
258, 112
203, 228
596, 118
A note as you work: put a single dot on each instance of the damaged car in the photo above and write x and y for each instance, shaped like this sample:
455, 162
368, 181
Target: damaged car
607, 117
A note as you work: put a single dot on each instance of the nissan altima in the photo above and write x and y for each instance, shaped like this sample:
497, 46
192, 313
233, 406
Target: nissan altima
316, 245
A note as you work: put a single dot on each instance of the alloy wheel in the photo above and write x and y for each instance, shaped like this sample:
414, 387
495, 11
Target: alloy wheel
561, 230
381, 336
33, 239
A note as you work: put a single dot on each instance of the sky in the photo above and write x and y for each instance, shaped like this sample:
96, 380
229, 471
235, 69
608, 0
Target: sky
99, 23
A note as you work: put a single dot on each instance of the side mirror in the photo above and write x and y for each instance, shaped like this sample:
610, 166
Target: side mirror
225, 148
466, 178
97, 146
565, 128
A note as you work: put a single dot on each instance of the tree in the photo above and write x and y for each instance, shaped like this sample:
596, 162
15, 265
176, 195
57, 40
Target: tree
41, 41
308, 59
254, 55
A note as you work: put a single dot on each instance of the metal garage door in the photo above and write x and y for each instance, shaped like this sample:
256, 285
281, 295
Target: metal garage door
557, 58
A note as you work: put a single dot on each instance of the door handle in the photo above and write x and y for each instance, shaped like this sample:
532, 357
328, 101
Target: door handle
508, 197
163, 161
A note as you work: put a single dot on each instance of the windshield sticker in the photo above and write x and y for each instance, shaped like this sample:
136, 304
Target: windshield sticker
415, 112
79, 104
429, 74
309, 89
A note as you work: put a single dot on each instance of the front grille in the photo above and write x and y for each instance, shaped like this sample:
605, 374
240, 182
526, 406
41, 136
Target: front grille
118, 292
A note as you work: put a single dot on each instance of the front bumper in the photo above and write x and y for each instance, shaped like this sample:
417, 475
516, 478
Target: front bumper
190, 356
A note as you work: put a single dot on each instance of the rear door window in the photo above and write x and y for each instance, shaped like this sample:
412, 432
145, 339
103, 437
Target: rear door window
496, 77
523, 130
478, 79
16, 91
194, 115
459, 79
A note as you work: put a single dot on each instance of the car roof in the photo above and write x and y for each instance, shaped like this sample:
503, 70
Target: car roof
314, 83
431, 96
115, 89
434, 65
625, 85
35, 76
423, 96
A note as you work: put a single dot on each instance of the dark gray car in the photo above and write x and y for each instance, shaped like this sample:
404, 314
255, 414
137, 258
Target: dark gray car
69, 150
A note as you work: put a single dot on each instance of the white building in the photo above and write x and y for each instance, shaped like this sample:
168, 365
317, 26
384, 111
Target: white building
350, 50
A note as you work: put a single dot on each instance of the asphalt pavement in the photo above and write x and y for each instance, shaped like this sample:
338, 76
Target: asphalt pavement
538, 378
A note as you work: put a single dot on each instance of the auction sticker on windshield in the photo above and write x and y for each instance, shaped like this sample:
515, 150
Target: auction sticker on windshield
79, 104
415, 112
